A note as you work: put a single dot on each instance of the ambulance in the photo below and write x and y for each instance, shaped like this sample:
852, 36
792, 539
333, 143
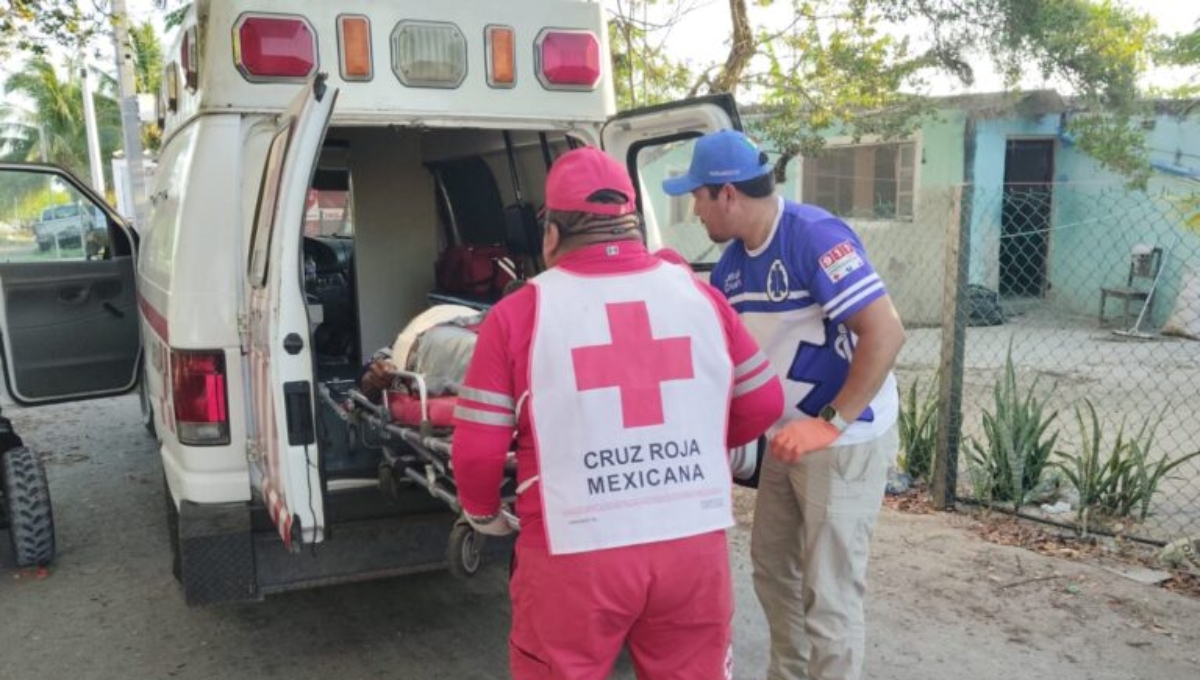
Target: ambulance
319, 160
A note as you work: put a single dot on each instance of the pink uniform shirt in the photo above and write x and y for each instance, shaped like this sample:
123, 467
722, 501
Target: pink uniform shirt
492, 402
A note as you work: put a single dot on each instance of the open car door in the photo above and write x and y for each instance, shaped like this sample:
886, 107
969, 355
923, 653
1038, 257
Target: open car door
655, 143
68, 305
280, 356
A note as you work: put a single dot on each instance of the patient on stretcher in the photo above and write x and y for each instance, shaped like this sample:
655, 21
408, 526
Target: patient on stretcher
437, 346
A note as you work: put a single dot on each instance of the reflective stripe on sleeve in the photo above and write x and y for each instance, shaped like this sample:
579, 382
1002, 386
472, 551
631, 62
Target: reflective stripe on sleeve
757, 381
749, 365
487, 398
481, 417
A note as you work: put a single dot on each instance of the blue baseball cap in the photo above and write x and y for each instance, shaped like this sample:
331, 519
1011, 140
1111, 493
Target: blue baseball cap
720, 157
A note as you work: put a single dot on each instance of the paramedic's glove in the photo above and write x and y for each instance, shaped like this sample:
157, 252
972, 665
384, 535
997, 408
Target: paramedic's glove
802, 436
491, 525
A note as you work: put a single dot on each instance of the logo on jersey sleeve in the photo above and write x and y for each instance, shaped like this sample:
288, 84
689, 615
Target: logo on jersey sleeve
732, 282
840, 261
777, 282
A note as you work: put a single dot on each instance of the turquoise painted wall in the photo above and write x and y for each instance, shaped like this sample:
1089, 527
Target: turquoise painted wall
1098, 221
1096, 218
987, 191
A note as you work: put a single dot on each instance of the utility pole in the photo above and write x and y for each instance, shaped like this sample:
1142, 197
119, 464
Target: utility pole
93, 136
131, 123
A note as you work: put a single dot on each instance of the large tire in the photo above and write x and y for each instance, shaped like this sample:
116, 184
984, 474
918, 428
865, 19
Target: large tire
27, 505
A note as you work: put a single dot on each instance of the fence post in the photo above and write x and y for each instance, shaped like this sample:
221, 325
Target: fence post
954, 327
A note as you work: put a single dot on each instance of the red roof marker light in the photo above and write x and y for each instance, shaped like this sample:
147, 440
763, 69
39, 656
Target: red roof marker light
274, 47
567, 59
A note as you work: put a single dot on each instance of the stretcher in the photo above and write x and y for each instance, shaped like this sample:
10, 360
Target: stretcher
412, 430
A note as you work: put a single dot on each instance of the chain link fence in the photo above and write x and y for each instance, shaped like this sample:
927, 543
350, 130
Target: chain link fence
1053, 361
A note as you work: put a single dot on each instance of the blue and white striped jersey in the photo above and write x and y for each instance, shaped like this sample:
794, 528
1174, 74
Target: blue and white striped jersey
795, 294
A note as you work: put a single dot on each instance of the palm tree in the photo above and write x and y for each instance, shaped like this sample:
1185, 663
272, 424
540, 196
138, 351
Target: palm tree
52, 127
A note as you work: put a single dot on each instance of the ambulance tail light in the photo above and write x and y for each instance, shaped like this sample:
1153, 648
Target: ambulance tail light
199, 393
567, 60
354, 47
274, 47
501, 61
429, 54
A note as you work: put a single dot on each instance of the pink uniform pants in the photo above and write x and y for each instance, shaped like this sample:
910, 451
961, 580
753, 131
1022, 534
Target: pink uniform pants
671, 602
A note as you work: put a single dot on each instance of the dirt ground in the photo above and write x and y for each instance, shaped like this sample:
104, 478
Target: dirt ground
1071, 360
943, 604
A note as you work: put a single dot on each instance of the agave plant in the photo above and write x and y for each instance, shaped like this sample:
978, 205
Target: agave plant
1016, 444
918, 430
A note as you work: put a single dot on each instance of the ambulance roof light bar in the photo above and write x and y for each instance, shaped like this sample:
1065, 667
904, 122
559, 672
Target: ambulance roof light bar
274, 47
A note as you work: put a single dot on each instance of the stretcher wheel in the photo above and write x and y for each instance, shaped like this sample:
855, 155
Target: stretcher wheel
465, 553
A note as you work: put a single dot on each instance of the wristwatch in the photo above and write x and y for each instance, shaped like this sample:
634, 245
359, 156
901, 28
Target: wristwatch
830, 415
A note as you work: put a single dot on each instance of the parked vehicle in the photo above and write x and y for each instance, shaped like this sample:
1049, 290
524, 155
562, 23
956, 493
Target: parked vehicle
67, 225
436, 125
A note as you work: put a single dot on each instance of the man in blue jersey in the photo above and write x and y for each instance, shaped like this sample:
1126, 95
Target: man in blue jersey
802, 283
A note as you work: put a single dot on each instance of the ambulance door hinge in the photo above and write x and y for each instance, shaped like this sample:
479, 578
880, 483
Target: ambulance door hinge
253, 454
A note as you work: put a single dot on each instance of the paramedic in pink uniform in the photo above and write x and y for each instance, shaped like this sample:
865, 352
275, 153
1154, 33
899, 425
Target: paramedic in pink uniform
625, 381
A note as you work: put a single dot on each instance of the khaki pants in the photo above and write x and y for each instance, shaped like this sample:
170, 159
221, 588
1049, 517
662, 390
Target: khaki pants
813, 522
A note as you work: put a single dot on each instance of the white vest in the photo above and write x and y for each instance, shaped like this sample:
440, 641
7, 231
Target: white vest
630, 382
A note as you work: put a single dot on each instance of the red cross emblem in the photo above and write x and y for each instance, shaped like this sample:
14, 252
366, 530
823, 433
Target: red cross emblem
635, 363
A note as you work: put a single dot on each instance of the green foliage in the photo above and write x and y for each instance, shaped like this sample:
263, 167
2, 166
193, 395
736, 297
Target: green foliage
1017, 445
148, 69
643, 73
838, 71
52, 128
838, 68
33, 26
1115, 481
918, 430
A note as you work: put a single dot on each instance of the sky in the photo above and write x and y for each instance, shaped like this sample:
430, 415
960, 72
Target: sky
695, 37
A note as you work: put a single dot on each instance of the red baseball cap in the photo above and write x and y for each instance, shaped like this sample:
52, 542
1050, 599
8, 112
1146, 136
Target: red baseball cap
578, 175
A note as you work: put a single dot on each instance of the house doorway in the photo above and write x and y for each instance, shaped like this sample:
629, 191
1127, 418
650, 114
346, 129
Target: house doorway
1025, 217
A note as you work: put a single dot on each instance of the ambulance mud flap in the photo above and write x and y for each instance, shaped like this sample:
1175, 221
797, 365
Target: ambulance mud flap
216, 551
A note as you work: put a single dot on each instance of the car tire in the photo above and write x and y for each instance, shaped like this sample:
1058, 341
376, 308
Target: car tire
27, 506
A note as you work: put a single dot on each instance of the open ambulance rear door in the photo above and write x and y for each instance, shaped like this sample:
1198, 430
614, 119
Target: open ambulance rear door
68, 312
655, 143
282, 432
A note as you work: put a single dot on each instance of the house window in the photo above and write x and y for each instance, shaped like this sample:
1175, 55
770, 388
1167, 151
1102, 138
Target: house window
872, 181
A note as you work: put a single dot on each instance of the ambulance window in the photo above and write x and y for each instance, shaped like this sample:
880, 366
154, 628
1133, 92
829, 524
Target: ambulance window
268, 199
45, 218
678, 225
327, 210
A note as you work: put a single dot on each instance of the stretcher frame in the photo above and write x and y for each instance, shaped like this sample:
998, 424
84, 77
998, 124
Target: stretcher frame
420, 454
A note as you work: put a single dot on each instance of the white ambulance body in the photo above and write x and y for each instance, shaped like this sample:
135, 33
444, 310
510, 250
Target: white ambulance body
317, 158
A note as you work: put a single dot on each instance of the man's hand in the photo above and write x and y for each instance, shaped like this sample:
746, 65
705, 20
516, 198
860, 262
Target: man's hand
802, 436
377, 378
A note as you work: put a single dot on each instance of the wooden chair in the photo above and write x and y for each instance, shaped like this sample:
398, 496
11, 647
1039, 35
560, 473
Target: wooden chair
1144, 264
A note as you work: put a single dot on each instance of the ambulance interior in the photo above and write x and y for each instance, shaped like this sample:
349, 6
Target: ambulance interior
384, 206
